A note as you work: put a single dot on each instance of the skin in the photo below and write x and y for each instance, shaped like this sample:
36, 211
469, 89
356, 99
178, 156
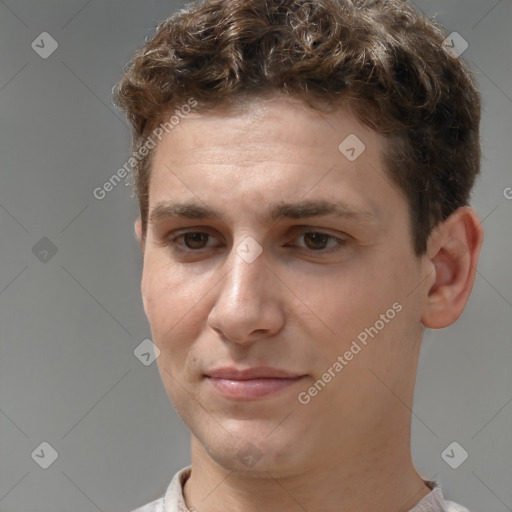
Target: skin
297, 306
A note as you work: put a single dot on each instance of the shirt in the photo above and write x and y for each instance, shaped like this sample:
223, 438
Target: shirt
173, 500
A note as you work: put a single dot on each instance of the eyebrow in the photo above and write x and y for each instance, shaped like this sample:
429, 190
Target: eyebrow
294, 210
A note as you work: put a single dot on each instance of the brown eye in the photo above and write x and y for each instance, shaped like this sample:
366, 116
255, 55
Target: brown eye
316, 241
195, 240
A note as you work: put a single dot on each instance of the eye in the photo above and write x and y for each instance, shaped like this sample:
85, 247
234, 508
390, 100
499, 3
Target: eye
195, 239
316, 241
319, 241
190, 241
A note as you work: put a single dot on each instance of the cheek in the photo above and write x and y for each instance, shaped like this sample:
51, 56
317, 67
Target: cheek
176, 306
348, 299
352, 301
165, 296
154, 296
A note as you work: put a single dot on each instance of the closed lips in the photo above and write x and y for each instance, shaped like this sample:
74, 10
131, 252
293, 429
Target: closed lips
251, 383
252, 373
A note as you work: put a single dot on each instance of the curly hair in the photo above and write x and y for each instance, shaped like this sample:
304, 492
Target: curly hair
383, 59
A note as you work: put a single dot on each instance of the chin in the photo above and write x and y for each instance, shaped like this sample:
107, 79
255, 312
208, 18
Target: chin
256, 450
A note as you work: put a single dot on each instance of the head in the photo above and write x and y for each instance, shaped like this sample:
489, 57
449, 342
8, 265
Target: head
320, 161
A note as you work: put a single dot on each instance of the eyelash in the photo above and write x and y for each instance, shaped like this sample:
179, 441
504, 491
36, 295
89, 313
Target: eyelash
172, 242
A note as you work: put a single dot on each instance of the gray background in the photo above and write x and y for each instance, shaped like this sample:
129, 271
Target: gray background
69, 325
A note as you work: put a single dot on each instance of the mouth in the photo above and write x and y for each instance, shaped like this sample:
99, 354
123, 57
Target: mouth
251, 383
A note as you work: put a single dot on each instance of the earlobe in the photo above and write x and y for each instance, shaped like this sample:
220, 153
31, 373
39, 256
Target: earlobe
455, 247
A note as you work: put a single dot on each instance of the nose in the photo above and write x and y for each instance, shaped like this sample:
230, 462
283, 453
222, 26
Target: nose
248, 303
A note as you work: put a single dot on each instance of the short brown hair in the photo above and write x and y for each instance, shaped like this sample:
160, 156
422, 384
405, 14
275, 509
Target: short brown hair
383, 58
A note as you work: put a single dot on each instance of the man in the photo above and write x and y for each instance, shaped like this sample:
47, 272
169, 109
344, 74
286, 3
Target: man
303, 170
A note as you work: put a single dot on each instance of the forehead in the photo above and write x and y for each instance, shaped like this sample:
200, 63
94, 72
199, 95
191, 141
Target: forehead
267, 126
268, 153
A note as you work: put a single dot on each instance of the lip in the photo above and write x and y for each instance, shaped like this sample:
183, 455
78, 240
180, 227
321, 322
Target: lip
251, 383
256, 372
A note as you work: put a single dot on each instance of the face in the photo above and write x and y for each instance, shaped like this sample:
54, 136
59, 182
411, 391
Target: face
281, 285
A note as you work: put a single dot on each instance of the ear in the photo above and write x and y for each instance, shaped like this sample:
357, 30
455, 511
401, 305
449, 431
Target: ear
138, 233
453, 251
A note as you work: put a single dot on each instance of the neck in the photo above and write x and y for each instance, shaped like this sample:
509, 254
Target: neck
378, 475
